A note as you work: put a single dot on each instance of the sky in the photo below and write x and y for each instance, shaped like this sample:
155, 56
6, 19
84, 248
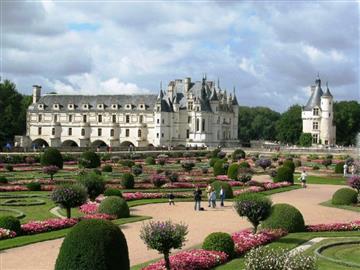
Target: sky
270, 51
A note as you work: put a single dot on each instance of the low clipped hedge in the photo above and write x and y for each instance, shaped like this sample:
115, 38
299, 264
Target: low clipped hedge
339, 167
127, 181
112, 192
284, 173
10, 223
233, 171
150, 161
3, 180
94, 245
114, 206
226, 186
219, 241
34, 186
344, 196
284, 216
107, 168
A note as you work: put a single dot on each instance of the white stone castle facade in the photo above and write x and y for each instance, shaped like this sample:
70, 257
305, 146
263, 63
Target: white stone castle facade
318, 115
187, 113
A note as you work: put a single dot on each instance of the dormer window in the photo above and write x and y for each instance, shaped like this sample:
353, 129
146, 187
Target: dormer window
141, 106
128, 106
71, 106
56, 106
85, 106
114, 106
316, 111
41, 106
100, 106
190, 106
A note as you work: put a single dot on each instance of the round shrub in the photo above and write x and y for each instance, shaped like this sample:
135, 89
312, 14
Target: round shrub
215, 152
127, 163
94, 244
107, 168
290, 164
10, 223
221, 155
233, 171
93, 183
344, 196
173, 177
127, 181
3, 180
112, 192
263, 163
244, 165
52, 156
89, 159
216, 185
316, 168
150, 161
137, 170
339, 167
204, 170
244, 177
219, 168
9, 167
284, 216
158, 180
238, 154
188, 166
284, 174
213, 161
219, 241
297, 163
327, 162
114, 206
34, 186
161, 161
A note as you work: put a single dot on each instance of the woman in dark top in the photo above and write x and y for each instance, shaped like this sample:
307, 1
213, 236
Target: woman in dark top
197, 198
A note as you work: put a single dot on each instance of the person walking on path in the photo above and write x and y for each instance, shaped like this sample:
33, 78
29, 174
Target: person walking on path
345, 169
302, 178
208, 193
213, 198
197, 198
222, 196
171, 198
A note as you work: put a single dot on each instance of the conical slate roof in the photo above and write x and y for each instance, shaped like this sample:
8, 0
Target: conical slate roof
327, 93
315, 97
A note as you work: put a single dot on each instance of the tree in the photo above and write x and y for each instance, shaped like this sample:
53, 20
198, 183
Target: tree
263, 163
164, 236
305, 139
52, 156
51, 170
289, 126
94, 184
346, 118
188, 166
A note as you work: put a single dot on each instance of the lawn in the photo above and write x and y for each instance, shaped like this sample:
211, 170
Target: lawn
345, 207
323, 180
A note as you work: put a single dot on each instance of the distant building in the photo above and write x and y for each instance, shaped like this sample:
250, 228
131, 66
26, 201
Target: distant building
189, 113
318, 115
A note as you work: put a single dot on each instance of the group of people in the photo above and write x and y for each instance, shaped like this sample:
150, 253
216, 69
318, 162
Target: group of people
349, 169
211, 196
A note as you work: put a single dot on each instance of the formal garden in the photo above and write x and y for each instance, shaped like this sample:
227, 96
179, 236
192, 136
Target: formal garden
92, 195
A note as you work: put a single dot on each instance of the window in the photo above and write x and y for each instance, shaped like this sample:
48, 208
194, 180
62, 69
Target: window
316, 111
99, 118
315, 138
158, 108
315, 125
139, 133
127, 118
84, 118
71, 106
190, 106
162, 135
189, 119
114, 118
158, 121
197, 124
157, 135
187, 134
163, 121
83, 132
55, 117
141, 118
99, 131
127, 132
112, 132
53, 131
197, 108
203, 125
85, 106
39, 117
70, 117
100, 106
39, 130
114, 106
70, 132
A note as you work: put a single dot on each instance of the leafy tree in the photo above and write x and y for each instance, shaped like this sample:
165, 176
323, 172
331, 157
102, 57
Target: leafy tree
289, 126
51, 170
94, 184
346, 117
305, 139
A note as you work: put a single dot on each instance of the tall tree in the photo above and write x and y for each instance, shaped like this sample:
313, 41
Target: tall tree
347, 121
289, 127
13, 108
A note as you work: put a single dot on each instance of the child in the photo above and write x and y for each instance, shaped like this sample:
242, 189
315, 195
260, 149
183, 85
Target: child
302, 178
171, 198
213, 198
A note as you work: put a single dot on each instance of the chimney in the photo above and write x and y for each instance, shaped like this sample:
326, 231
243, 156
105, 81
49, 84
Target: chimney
187, 82
36, 93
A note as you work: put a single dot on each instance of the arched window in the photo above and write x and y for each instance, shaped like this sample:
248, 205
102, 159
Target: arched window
139, 133
197, 124
112, 132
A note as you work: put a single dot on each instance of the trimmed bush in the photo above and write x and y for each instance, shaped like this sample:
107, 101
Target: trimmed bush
213, 161
354, 182
173, 177
107, 168
89, 159
284, 216
215, 152
94, 245
10, 223
263, 163
221, 155
339, 167
344, 196
93, 183
216, 185
137, 170
127, 163
3, 180
9, 167
297, 163
150, 161
188, 166
219, 168
316, 168
34, 186
127, 181
244, 165
112, 192
290, 164
161, 161
233, 171
51, 170
115, 206
284, 174
52, 156
219, 241
238, 154
327, 162
158, 180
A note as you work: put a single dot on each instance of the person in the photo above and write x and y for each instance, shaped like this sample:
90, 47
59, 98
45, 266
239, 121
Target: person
197, 198
302, 178
213, 198
222, 196
345, 169
208, 192
171, 198
352, 169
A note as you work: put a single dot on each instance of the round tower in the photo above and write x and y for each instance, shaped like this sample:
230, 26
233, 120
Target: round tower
326, 127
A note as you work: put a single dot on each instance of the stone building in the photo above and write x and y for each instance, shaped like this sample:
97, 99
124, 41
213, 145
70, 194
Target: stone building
318, 115
188, 113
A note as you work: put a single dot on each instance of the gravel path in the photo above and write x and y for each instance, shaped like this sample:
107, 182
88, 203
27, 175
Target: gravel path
42, 256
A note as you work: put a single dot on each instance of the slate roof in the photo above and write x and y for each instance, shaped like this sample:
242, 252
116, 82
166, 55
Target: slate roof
314, 100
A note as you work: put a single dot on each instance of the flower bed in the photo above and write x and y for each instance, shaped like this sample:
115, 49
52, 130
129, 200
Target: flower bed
89, 208
34, 227
335, 227
197, 259
5, 234
130, 196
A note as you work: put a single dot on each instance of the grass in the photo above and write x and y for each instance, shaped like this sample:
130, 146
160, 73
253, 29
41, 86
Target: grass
345, 207
328, 180
30, 239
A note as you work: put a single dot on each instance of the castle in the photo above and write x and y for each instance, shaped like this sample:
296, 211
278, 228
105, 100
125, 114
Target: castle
188, 114
318, 115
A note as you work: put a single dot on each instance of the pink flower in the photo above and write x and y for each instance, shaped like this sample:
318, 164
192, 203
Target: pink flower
34, 227
89, 208
5, 233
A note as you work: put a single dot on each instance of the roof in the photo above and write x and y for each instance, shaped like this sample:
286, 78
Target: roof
314, 100
327, 93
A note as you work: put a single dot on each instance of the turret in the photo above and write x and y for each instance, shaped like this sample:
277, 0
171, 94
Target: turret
187, 84
36, 93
